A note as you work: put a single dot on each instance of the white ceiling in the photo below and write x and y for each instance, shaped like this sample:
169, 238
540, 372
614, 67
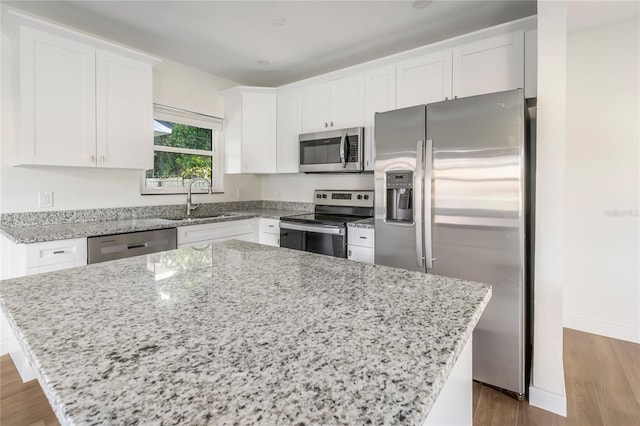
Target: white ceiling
230, 38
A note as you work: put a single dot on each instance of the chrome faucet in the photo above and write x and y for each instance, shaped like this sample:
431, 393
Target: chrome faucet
190, 206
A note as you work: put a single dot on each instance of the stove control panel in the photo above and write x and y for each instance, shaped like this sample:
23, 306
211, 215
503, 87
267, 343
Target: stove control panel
353, 198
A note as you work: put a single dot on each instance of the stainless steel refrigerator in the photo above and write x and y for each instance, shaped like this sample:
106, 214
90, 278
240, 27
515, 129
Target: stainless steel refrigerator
451, 195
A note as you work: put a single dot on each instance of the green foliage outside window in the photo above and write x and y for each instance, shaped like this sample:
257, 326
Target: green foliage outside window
182, 166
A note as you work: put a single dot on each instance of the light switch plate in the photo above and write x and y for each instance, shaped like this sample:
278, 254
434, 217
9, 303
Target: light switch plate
45, 199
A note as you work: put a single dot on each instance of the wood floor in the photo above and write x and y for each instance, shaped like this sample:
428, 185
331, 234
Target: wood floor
602, 378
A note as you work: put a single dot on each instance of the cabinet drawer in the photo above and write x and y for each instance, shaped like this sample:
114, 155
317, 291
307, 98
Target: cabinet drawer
363, 237
214, 231
72, 251
270, 226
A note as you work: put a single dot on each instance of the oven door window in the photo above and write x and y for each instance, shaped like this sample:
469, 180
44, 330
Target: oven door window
332, 245
328, 244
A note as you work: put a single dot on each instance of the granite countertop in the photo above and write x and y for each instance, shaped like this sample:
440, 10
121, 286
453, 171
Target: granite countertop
241, 333
53, 232
368, 223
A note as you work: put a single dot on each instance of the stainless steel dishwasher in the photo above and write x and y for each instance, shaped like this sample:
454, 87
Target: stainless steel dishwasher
119, 246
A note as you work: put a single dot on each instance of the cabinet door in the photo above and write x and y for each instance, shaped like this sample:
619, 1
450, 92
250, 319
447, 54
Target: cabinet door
124, 102
315, 108
424, 80
379, 96
57, 100
360, 254
289, 127
270, 239
258, 132
217, 231
487, 66
233, 132
347, 102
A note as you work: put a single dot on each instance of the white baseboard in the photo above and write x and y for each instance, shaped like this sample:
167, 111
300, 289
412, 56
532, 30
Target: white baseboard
548, 401
602, 328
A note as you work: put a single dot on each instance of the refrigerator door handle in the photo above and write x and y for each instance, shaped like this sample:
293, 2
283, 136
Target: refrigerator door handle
417, 205
428, 166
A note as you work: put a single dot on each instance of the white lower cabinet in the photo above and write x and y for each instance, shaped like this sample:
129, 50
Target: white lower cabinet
245, 230
27, 259
269, 232
19, 260
360, 244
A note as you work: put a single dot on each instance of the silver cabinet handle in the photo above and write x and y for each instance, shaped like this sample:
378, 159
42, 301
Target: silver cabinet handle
58, 252
417, 205
332, 124
92, 158
326, 124
363, 238
428, 174
343, 158
102, 158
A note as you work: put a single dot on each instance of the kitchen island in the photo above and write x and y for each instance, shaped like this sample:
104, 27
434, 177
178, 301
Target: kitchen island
238, 332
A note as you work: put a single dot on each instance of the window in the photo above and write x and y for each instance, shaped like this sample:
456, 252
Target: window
184, 148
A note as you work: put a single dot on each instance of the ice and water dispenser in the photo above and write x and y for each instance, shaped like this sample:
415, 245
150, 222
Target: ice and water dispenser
399, 195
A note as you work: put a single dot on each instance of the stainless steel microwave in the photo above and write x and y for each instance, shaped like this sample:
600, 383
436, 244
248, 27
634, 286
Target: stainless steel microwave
333, 151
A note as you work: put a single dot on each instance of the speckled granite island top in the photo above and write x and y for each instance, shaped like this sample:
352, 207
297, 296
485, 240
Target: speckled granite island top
240, 333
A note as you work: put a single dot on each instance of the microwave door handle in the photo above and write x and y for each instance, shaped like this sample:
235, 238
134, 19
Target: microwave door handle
343, 158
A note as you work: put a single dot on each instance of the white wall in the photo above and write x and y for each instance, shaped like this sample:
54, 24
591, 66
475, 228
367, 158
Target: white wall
547, 388
602, 231
86, 188
299, 186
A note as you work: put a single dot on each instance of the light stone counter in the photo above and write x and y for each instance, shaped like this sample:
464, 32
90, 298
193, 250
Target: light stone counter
368, 223
63, 231
240, 333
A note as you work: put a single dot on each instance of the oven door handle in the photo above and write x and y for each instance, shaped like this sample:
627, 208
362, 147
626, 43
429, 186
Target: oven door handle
318, 229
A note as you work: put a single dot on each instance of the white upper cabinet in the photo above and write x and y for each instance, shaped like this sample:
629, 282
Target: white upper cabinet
122, 124
250, 130
289, 127
491, 65
424, 79
83, 102
379, 96
335, 104
57, 100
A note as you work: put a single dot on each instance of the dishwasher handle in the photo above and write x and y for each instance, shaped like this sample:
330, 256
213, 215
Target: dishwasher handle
135, 246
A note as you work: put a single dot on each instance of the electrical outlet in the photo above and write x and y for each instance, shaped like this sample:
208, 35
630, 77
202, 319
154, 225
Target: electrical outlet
45, 199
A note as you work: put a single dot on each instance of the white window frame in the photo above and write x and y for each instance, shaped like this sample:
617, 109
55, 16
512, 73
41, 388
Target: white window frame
176, 115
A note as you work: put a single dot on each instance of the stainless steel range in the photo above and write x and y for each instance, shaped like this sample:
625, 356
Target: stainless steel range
325, 230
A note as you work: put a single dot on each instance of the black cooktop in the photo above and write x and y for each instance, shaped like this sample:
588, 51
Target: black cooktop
323, 218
